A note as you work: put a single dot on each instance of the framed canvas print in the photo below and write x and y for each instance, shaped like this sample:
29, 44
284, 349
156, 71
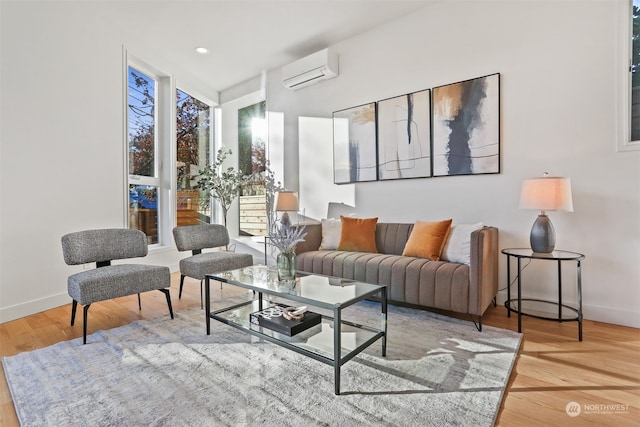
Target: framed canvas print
354, 144
404, 136
466, 127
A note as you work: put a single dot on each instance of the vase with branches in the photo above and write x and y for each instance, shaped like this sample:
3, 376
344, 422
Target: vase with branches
220, 184
285, 237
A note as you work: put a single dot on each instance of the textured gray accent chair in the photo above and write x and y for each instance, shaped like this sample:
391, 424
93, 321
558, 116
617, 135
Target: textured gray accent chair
108, 281
195, 238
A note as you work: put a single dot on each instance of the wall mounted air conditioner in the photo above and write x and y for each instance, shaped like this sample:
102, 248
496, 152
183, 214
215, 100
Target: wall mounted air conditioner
311, 69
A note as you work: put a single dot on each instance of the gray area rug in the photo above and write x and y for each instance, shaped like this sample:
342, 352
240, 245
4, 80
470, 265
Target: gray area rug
438, 372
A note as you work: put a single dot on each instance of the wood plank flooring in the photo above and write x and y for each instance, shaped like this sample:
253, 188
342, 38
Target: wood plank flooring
553, 369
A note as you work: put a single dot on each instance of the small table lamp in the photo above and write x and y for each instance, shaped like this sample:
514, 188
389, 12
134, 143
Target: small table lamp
287, 201
547, 193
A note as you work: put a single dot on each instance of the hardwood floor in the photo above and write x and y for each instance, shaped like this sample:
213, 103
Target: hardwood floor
553, 369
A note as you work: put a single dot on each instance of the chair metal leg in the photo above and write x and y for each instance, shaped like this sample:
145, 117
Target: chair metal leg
201, 306
85, 309
166, 293
74, 306
181, 285
139, 303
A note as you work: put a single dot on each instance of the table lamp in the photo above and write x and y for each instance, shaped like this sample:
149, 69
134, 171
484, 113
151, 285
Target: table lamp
286, 201
547, 193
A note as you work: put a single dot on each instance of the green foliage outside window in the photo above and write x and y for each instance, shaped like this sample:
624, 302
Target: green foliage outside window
220, 184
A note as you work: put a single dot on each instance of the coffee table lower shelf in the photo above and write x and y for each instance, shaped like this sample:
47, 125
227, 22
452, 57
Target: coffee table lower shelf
318, 342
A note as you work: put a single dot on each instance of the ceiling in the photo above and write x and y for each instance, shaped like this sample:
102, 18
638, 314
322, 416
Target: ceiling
245, 37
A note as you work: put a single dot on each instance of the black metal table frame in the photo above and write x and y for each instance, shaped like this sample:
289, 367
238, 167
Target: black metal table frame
338, 360
548, 257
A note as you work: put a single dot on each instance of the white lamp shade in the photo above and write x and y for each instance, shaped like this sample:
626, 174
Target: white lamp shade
547, 193
287, 201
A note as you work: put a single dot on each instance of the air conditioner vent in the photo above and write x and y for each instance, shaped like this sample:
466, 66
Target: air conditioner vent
311, 69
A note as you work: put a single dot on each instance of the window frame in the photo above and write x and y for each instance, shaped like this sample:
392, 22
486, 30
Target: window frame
164, 117
213, 138
624, 24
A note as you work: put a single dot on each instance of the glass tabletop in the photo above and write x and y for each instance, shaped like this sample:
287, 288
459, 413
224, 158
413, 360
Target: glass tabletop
555, 255
319, 290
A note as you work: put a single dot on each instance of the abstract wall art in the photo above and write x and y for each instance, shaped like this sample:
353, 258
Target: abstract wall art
466, 127
404, 136
354, 144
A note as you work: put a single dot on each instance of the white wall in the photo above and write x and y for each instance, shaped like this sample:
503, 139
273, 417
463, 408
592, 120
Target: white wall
61, 149
315, 135
558, 99
62, 152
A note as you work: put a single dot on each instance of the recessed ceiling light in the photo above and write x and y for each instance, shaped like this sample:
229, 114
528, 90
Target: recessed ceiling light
202, 50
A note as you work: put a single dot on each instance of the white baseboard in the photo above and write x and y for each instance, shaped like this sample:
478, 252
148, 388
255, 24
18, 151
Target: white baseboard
596, 313
28, 308
590, 312
35, 306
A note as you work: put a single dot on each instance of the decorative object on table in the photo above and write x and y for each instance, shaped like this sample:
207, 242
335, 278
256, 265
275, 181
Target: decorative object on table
294, 313
285, 237
466, 127
547, 193
274, 318
286, 201
354, 144
404, 137
222, 185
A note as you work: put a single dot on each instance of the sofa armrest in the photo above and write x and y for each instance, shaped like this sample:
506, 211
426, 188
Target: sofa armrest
312, 240
483, 271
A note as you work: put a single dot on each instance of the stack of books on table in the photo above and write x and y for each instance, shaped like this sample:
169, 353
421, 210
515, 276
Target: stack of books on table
273, 318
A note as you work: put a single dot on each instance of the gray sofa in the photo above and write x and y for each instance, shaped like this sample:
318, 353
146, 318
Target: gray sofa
412, 281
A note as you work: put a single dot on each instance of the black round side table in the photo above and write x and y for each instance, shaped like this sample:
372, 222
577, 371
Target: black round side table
566, 313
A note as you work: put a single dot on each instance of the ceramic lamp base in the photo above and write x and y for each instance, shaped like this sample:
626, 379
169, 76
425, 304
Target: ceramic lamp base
543, 235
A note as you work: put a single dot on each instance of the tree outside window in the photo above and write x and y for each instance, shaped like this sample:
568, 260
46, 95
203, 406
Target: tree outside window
193, 136
143, 170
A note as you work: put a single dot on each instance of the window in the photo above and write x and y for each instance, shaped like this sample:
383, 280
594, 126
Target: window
252, 157
628, 59
193, 150
635, 72
142, 152
165, 126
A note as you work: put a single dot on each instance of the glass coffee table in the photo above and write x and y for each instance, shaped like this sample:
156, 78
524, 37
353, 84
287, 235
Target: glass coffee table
334, 341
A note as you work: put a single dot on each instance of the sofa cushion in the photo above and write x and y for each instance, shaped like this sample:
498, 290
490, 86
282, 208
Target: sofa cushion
457, 247
331, 230
427, 239
358, 234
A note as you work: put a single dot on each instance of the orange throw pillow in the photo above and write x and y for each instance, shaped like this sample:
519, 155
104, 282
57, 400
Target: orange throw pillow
427, 239
358, 234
